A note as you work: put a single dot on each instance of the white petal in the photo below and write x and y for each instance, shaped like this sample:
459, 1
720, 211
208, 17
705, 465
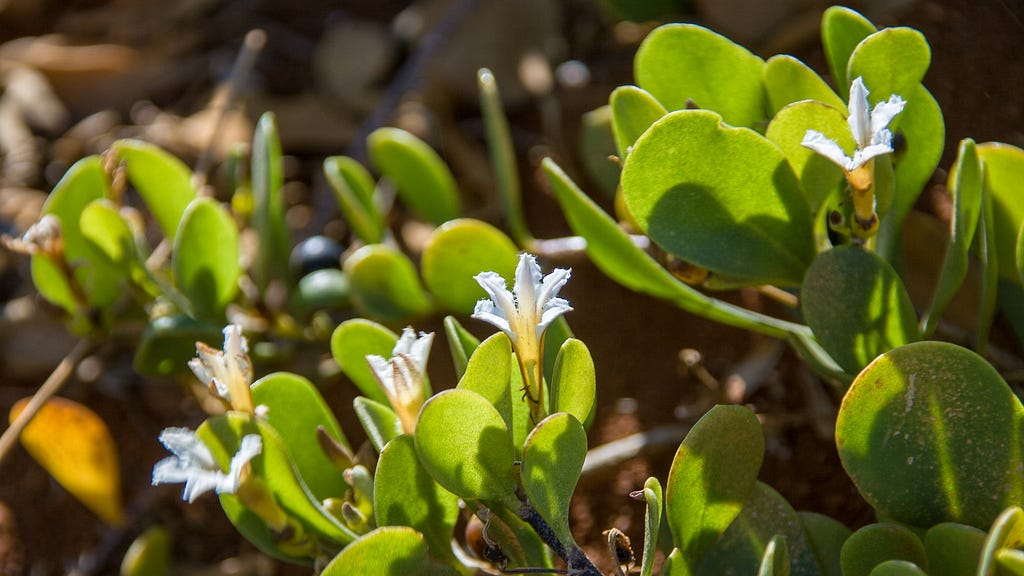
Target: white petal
494, 285
202, 374
551, 285
252, 445
485, 310
859, 118
826, 147
405, 341
384, 372
234, 342
185, 445
527, 282
554, 308
862, 156
882, 115
421, 350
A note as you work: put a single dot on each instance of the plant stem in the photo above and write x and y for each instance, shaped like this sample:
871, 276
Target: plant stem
51, 386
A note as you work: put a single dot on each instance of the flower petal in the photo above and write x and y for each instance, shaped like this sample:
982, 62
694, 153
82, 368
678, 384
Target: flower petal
495, 287
554, 308
859, 119
528, 277
384, 372
882, 115
826, 147
417, 348
485, 310
552, 283
184, 444
862, 156
252, 445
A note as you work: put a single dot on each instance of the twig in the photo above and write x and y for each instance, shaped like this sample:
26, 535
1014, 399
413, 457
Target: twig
51, 386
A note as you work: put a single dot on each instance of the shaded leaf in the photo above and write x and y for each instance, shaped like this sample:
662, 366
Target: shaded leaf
461, 344
953, 549
379, 421
826, 537
385, 284
268, 211
874, 544
351, 342
206, 258
488, 374
353, 188
163, 181
574, 383
552, 459
421, 178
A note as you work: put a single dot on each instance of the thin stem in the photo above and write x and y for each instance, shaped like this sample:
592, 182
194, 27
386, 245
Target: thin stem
51, 386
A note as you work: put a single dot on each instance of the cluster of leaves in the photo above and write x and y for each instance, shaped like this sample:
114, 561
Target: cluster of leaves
714, 174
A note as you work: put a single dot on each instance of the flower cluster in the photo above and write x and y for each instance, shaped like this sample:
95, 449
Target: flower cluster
193, 464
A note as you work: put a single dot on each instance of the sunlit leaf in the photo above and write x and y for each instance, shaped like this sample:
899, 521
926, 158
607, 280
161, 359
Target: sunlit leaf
422, 179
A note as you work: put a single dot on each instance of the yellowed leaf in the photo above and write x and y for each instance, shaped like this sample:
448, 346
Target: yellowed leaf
74, 445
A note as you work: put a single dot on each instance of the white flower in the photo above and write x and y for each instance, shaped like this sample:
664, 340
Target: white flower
532, 304
193, 464
401, 376
43, 237
870, 131
227, 372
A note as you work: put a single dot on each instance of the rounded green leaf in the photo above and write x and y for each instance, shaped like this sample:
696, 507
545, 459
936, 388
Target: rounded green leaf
719, 197
296, 410
596, 147
842, 29
404, 494
274, 467
929, 432
387, 551
953, 549
464, 443
421, 178
107, 231
818, 175
169, 342
324, 289
1004, 171
633, 112
379, 421
205, 259
897, 568
1010, 561
826, 537
351, 342
712, 474
741, 549
683, 63
574, 382
149, 554
877, 543
552, 459
385, 284
789, 80
891, 61
457, 251
353, 188
163, 181
857, 306
488, 373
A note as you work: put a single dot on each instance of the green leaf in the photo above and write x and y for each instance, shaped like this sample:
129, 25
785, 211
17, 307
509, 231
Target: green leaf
379, 421
897, 568
876, 543
712, 474
1004, 171
1010, 561
775, 561
457, 251
818, 175
149, 554
296, 410
503, 155
163, 181
461, 344
574, 382
557, 333
826, 537
929, 432
421, 178
385, 284
652, 524
205, 258
965, 186
388, 551
925, 135
351, 342
722, 198
857, 306
842, 29
268, 214
597, 145
488, 373
678, 63
324, 289
169, 342
404, 494
789, 80
1007, 532
353, 189
953, 549
552, 459
615, 254
633, 112
891, 61
464, 443
273, 465
108, 233
741, 548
